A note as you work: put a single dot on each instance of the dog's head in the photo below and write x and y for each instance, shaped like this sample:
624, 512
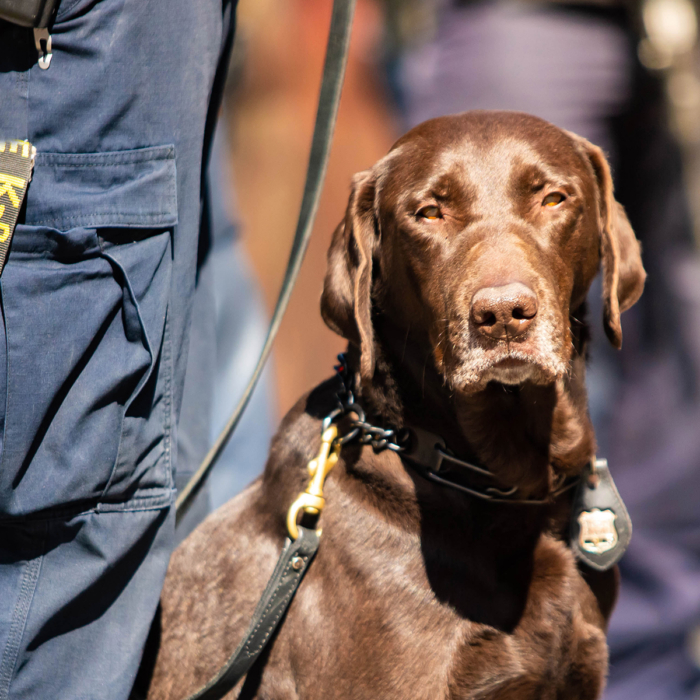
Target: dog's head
482, 232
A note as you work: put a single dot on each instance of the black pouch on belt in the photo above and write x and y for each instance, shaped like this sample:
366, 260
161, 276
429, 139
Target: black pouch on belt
36, 14
29, 13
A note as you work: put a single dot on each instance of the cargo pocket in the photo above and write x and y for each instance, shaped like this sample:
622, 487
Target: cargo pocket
85, 298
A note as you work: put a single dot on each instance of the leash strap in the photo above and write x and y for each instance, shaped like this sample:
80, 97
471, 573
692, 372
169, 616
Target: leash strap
291, 567
331, 85
16, 165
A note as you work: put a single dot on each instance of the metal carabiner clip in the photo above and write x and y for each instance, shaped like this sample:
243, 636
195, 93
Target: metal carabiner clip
312, 501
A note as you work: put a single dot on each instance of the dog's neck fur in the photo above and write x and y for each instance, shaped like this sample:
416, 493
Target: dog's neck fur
527, 435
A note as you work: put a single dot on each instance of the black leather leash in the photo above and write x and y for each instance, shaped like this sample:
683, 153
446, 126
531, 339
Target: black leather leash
291, 567
331, 85
299, 550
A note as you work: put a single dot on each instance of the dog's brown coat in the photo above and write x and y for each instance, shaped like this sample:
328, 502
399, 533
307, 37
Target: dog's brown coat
418, 591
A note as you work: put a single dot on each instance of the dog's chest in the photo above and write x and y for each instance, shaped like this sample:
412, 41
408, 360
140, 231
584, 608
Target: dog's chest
448, 657
544, 658
397, 639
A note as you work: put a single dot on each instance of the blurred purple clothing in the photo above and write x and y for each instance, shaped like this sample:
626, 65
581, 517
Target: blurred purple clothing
571, 69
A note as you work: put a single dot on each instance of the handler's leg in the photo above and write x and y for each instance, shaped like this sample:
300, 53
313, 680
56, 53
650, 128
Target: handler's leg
81, 593
96, 302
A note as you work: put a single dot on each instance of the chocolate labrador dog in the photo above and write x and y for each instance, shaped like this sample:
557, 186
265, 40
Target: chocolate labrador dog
459, 277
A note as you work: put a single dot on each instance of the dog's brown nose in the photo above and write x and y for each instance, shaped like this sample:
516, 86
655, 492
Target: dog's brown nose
504, 312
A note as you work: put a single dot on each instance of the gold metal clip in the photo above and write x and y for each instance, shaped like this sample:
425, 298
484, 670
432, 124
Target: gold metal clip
312, 501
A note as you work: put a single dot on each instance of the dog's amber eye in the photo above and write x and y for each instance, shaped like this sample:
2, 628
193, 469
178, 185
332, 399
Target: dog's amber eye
431, 213
552, 199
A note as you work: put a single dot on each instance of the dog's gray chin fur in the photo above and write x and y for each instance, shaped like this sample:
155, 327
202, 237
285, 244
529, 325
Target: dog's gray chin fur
472, 376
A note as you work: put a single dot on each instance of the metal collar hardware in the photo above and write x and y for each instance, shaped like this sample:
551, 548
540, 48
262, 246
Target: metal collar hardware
312, 501
427, 452
364, 432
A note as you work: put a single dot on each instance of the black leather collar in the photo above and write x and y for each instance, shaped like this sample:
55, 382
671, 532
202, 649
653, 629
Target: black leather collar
600, 524
431, 458
428, 454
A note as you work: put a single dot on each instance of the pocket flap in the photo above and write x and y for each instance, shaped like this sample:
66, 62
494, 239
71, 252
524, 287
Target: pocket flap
135, 188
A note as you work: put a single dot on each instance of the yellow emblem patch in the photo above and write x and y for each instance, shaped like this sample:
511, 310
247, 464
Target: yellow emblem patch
16, 164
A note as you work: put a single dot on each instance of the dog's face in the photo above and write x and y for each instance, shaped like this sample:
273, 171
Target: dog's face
483, 232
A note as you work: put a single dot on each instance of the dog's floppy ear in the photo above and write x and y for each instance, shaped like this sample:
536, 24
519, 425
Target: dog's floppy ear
346, 300
623, 273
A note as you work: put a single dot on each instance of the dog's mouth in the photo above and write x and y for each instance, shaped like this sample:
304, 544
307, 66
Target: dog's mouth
509, 366
513, 370
508, 363
517, 370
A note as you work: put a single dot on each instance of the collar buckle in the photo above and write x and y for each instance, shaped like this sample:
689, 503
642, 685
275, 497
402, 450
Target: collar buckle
426, 449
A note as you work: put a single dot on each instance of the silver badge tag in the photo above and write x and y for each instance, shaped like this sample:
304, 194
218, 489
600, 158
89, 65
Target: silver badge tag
597, 533
601, 527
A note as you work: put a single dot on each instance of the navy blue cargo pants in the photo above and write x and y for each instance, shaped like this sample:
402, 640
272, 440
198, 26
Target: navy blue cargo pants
96, 301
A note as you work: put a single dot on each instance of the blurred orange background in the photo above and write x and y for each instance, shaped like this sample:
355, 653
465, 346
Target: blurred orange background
271, 117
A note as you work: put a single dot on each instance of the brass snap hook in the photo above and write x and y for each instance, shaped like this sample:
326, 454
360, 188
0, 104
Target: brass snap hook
312, 501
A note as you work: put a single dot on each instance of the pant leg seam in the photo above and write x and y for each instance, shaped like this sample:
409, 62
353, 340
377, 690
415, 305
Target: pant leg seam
19, 621
167, 400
